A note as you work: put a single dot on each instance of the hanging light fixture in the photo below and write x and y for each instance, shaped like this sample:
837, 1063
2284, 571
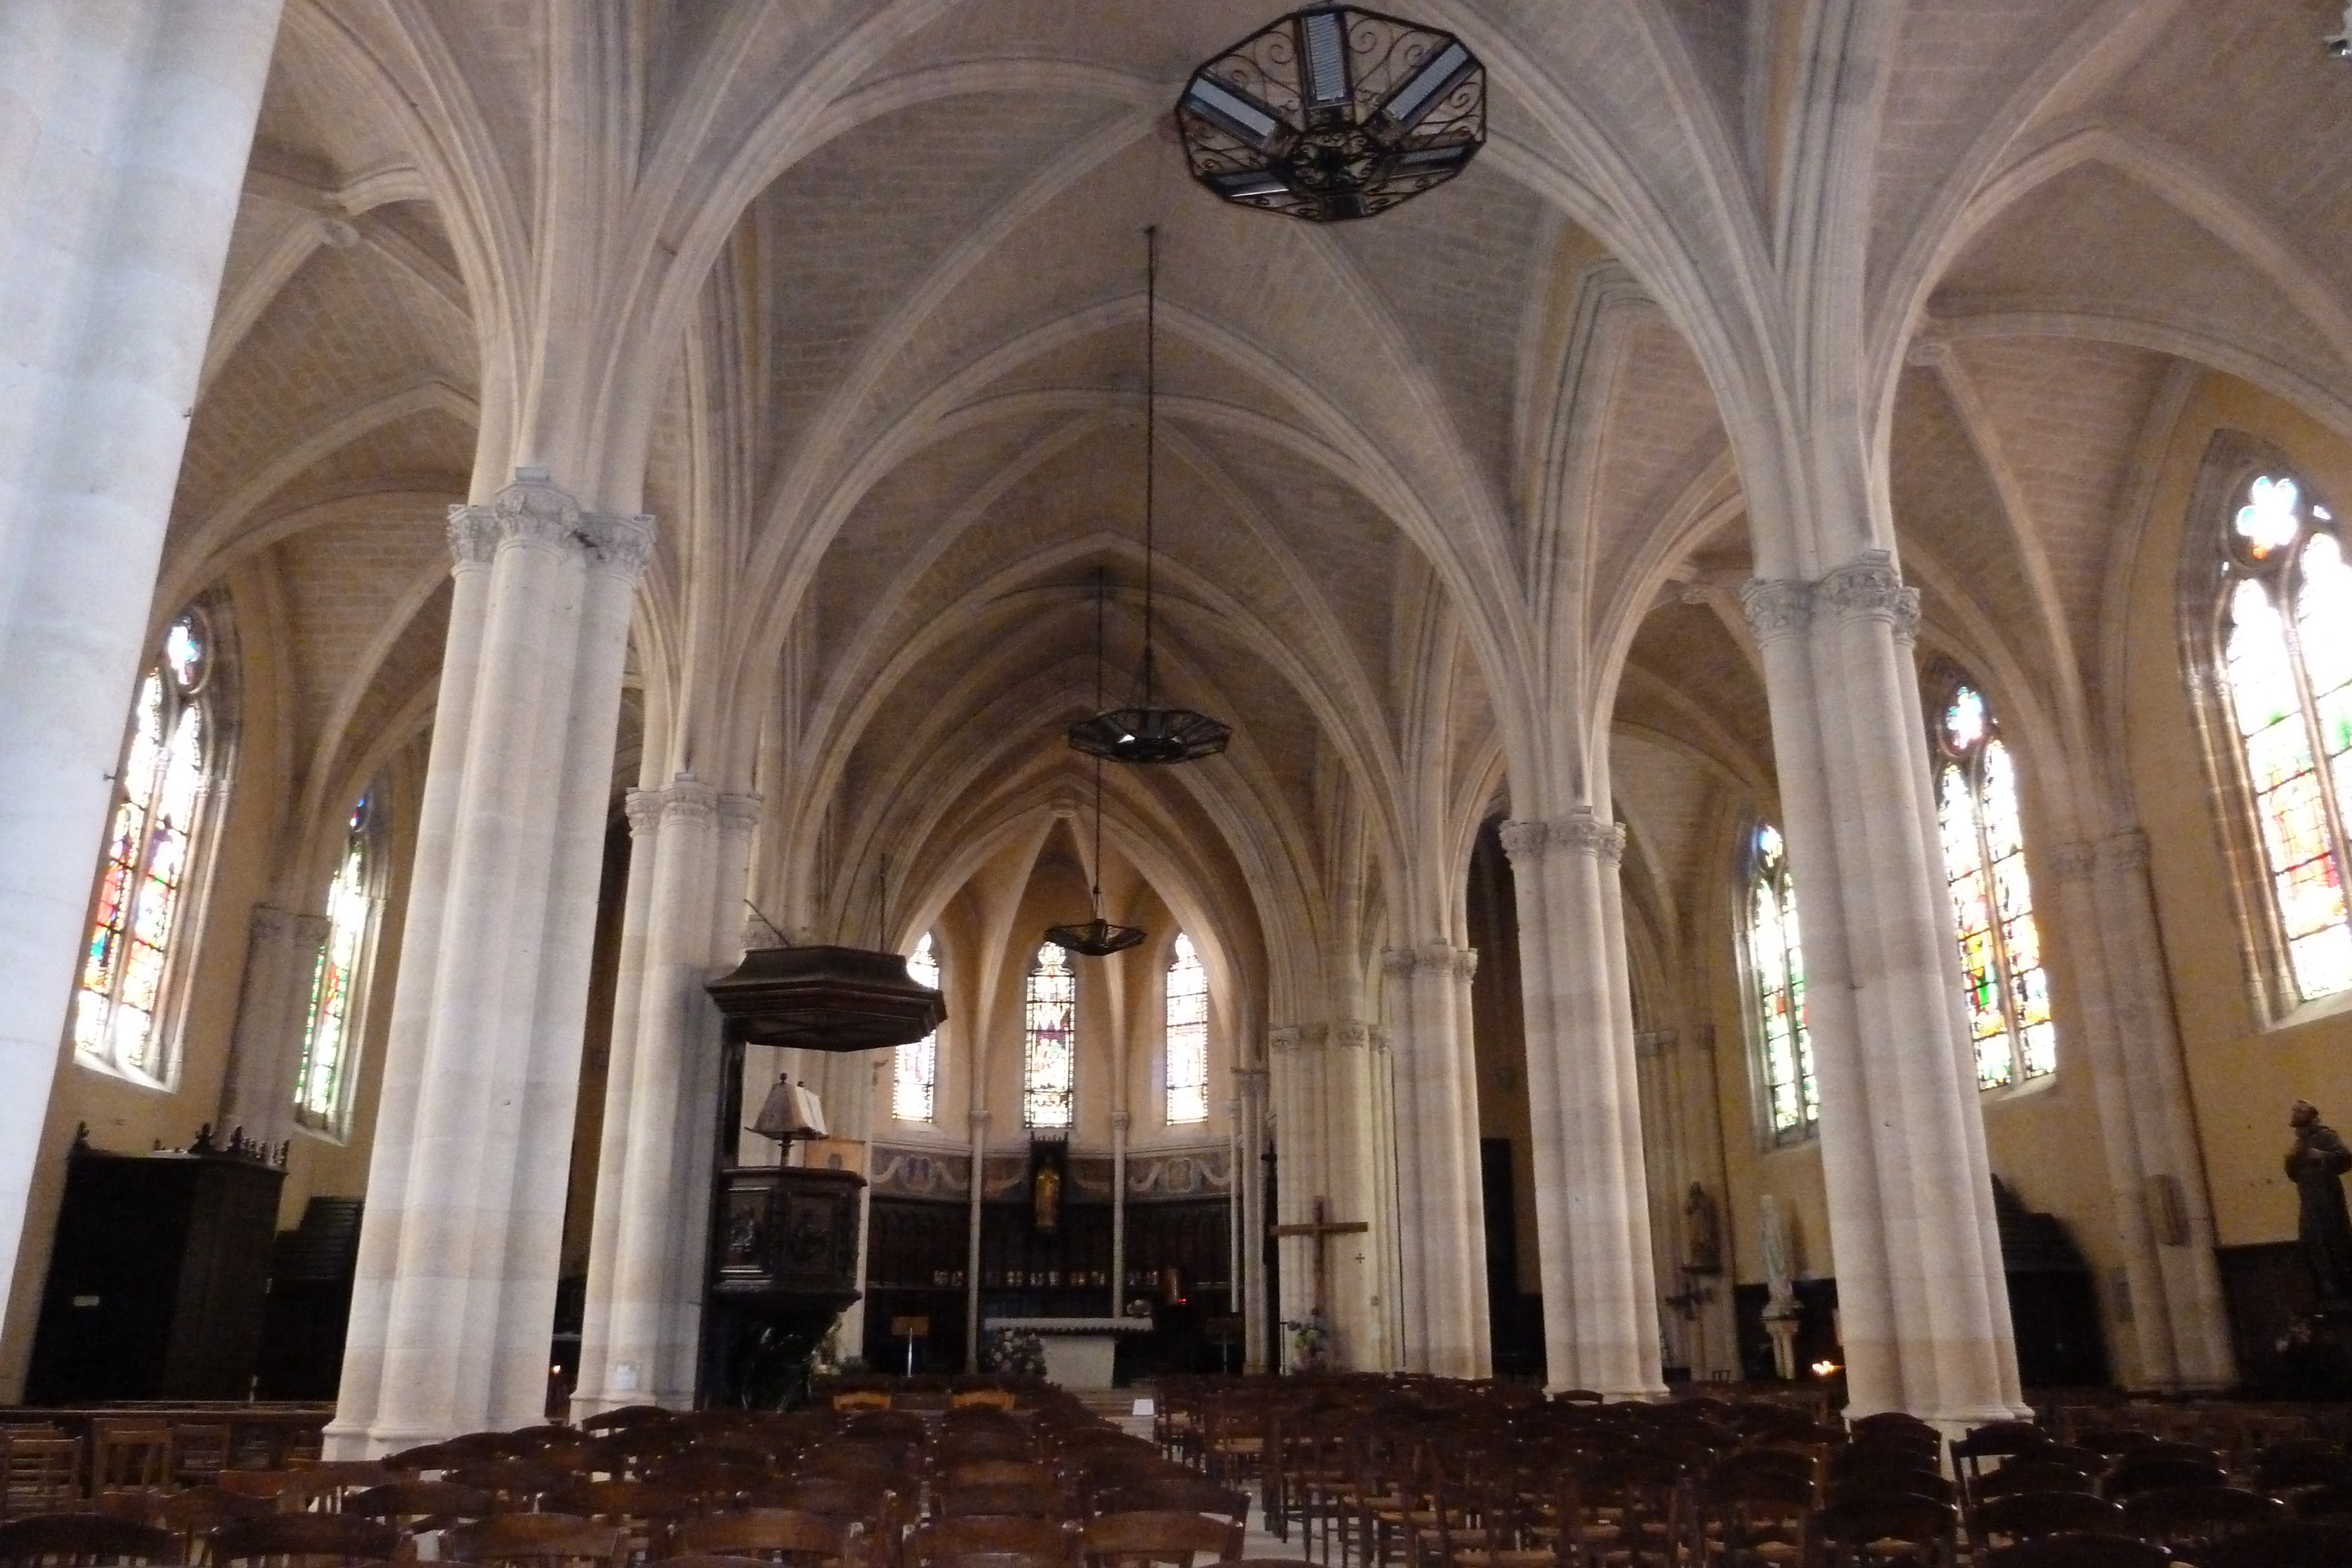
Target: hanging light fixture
1098, 937
1334, 112
1145, 732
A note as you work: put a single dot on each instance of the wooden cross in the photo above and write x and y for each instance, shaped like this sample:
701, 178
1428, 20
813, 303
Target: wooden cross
1322, 1227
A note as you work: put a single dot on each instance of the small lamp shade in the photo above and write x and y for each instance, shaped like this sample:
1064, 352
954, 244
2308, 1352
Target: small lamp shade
793, 1113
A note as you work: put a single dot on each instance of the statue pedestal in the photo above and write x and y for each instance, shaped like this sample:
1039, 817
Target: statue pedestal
1781, 1324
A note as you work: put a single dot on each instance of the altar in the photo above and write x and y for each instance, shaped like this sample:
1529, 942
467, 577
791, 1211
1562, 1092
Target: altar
1078, 1351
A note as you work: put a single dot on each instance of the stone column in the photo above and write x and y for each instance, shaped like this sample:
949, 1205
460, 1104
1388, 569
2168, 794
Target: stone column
972, 1243
455, 1294
273, 1014
2178, 1331
125, 127
1441, 1218
1120, 1122
1249, 1181
1592, 1222
1922, 1301
643, 1317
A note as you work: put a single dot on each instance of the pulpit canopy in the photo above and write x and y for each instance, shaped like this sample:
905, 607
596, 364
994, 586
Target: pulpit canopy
826, 998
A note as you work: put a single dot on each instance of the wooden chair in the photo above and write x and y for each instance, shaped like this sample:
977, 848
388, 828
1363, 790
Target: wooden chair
126, 1455
1883, 1531
190, 1516
1752, 1515
999, 1472
2191, 1517
1155, 1536
967, 1541
2031, 1515
199, 1451
2331, 1501
302, 1541
982, 1398
2021, 1476
1004, 1502
537, 1541
40, 1472
1186, 1493
832, 1497
2077, 1552
2311, 1462
2151, 1473
83, 1541
418, 1506
766, 1534
1622, 1509
861, 1399
2298, 1545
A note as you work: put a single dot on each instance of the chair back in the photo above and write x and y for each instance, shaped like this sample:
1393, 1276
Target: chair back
2078, 1552
2031, 1515
82, 1541
1003, 1502
1184, 1491
128, 1454
999, 1472
768, 1534
420, 1505
861, 1399
1155, 1536
1851, 1533
960, 1540
2297, 1545
40, 1472
303, 1541
982, 1398
2193, 1516
2144, 1472
537, 1540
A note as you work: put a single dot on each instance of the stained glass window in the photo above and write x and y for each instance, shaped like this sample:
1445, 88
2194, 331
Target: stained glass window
350, 922
1049, 1041
1188, 1035
1776, 958
2286, 665
159, 794
915, 1069
1993, 901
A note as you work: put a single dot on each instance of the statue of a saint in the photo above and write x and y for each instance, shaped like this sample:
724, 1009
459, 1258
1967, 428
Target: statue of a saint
1702, 1233
1045, 1199
2317, 1165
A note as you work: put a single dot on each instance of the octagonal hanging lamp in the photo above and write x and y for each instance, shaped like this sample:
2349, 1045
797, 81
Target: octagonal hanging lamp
1334, 112
1147, 732
1098, 937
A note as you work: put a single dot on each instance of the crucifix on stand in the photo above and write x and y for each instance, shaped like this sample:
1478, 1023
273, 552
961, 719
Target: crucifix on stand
1322, 1227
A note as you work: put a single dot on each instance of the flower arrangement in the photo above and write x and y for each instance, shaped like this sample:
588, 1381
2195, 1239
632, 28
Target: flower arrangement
1310, 1344
1016, 1351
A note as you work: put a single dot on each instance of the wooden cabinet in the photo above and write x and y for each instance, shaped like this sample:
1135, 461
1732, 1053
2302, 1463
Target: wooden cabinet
157, 1279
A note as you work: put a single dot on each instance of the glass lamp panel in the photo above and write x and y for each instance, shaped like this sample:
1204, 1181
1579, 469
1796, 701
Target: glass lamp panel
915, 1069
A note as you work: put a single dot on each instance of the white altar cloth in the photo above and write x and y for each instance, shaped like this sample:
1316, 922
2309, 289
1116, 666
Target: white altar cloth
1078, 1351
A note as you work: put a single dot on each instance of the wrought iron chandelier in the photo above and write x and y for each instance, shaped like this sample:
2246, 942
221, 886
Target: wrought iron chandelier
1334, 112
1146, 733
1098, 937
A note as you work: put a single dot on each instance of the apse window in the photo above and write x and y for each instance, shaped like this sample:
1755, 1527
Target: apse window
1776, 965
1188, 1035
320, 1085
2285, 636
2008, 991
1049, 1044
163, 805
915, 1069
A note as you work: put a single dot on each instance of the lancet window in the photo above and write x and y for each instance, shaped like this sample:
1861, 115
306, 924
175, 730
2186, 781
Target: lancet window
163, 793
1187, 1035
1049, 1043
915, 1069
1993, 900
2287, 680
1776, 965
327, 1038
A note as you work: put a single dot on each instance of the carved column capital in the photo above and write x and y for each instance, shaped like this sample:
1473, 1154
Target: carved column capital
1869, 588
616, 543
740, 813
1649, 1044
1283, 1039
1525, 843
645, 811
473, 534
1250, 1081
2075, 862
1777, 607
1120, 1121
532, 511
1351, 1034
1587, 834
